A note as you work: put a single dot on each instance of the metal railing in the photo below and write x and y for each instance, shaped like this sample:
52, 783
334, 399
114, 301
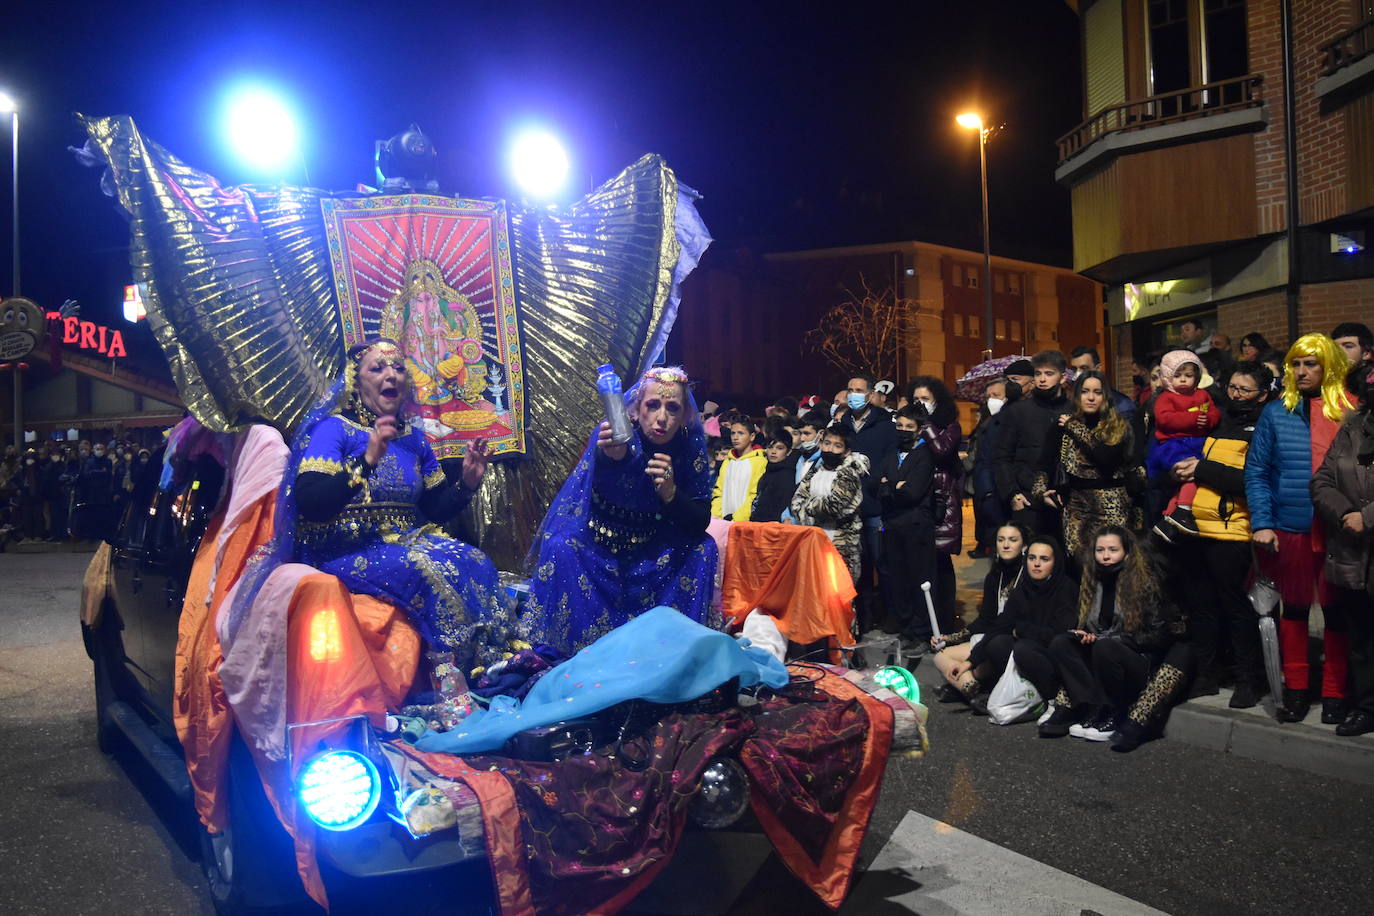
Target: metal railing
1167, 108
1348, 47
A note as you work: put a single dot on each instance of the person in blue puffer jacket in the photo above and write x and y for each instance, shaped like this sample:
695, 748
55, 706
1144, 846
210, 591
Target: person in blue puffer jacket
1290, 441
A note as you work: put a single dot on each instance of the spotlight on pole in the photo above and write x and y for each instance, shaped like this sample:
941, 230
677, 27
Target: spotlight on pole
969, 119
261, 129
7, 103
539, 164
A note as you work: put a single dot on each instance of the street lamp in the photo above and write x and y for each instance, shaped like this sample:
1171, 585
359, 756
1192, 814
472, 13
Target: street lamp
973, 121
8, 104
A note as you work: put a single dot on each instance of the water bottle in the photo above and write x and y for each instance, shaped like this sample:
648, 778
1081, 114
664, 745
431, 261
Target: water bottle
612, 399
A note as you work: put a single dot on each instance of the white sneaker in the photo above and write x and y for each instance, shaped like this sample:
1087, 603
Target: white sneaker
1101, 730
1049, 711
1078, 730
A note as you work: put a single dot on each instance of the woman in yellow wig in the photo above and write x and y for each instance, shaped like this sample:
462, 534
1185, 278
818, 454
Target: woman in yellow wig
1290, 441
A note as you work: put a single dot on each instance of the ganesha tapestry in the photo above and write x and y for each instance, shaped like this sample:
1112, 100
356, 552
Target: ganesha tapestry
434, 274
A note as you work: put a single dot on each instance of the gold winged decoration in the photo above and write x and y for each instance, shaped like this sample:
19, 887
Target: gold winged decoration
241, 300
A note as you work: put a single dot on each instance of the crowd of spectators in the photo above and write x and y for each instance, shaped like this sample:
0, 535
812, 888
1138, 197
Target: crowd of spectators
1132, 537
65, 491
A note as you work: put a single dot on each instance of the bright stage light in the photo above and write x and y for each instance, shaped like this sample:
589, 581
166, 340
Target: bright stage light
339, 789
261, 129
7, 103
539, 164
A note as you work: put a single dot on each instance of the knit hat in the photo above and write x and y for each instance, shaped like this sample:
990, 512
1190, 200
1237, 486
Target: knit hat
1177, 359
1020, 367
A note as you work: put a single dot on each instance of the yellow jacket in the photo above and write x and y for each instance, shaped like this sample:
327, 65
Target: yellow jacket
757, 462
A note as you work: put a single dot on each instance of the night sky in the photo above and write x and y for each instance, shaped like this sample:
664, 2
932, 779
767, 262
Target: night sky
801, 129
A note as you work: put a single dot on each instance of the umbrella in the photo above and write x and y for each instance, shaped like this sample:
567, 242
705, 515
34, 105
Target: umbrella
1264, 597
973, 385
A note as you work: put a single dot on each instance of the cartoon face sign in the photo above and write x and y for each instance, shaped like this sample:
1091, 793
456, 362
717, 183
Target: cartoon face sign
21, 327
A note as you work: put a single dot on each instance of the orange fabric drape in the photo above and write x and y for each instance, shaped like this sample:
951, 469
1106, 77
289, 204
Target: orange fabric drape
794, 574
368, 657
200, 709
829, 877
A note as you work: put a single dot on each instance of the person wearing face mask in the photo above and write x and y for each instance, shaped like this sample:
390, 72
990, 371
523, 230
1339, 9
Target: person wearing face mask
53, 474
1216, 565
29, 484
738, 479
1021, 450
776, 486
1290, 441
92, 516
906, 490
1123, 632
627, 531
872, 435
1089, 454
366, 497
965, 681
938, 424
989, 510
829, 497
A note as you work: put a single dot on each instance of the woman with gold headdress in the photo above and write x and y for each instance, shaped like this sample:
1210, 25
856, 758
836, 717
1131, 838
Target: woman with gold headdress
1290, 441
370, 495
627, 531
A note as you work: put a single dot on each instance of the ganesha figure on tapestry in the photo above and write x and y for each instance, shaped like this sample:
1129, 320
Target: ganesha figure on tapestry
458, 387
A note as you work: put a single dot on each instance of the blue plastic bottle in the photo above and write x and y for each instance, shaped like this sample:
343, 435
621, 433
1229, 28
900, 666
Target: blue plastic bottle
613, 400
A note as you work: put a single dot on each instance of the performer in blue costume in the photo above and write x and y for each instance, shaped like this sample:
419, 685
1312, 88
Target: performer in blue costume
370, 495
627, 531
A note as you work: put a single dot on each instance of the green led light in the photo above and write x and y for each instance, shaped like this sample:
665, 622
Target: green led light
900, 681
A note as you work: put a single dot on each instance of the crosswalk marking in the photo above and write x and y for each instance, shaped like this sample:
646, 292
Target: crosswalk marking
930, 867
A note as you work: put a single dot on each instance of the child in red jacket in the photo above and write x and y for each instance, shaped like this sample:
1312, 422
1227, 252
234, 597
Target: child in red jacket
1184, 415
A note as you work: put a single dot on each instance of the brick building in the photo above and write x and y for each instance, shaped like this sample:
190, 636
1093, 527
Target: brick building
744, 317
1180, 174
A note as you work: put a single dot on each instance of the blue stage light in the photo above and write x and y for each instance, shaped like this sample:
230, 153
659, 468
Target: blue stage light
539, 164
261, 129
339, 789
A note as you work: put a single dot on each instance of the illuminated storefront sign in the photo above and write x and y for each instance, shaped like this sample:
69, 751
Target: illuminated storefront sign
134, 310
87, 335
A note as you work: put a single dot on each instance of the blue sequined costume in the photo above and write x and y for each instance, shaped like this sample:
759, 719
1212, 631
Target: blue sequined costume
380, 543
609, 549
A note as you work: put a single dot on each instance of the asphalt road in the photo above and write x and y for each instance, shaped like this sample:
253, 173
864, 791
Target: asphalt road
1175, 827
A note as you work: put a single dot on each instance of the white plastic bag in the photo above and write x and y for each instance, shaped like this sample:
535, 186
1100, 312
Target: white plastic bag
1012, 698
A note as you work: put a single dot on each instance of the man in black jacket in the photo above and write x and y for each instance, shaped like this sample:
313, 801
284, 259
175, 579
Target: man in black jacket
873, 436
1022, 444
906, 490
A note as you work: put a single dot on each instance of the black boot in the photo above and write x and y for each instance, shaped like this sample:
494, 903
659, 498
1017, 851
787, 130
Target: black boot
1130, 736
1245, 696
1333, 710
1295, 705
948, 693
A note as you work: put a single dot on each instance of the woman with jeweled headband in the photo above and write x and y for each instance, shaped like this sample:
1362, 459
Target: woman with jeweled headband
628, 530
371, 494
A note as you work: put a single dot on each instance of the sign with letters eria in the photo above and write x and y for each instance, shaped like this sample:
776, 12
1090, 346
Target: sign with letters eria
88, 335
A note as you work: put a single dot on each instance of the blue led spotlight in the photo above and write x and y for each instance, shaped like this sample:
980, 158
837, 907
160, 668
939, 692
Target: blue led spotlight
339, 789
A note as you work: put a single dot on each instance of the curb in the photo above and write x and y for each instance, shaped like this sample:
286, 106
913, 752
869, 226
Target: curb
1255, 735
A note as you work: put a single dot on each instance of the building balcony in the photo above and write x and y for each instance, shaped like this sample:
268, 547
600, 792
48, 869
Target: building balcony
1203, 112
1348, 64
